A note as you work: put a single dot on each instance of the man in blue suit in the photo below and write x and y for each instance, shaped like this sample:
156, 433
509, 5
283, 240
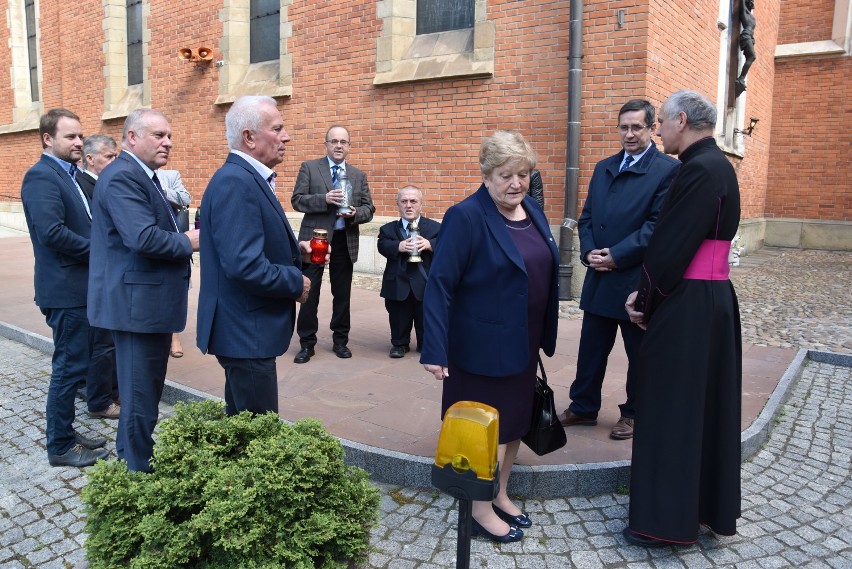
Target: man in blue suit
139, 277
251, 274
59, 221
625, 195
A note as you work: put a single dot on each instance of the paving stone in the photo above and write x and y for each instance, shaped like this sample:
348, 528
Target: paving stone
797, 492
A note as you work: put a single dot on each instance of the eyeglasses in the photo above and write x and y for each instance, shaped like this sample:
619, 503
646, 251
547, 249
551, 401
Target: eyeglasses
335, 142
634, 128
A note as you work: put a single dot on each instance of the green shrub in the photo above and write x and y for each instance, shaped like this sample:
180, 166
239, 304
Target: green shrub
227, 492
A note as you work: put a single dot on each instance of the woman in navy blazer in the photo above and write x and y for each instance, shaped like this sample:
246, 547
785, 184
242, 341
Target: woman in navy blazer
491, 304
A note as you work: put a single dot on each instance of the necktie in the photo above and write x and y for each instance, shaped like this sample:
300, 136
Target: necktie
405, 230
626, 164
72, 171
169, 207
271, 181
156, 181
338, 223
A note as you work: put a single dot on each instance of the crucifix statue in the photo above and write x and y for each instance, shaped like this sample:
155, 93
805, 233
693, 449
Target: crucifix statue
748, 23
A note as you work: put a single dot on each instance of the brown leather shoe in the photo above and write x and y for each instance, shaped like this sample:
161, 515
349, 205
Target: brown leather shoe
622, 430
570, 419
111, 412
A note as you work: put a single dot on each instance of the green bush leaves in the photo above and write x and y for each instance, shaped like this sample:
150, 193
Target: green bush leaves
245, 492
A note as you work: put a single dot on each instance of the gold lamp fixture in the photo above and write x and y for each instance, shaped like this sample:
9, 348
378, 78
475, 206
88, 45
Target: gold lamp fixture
747, 131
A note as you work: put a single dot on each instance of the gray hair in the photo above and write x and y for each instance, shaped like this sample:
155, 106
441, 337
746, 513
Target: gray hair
137, 121
700, 112
243, 115
409, 187
502, 147
95, 143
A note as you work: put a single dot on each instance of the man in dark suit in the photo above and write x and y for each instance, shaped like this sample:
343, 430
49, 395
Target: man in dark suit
98, 151
101, 381
59, 221
625, 196
403, 282
315, 197
139, 276
251, 277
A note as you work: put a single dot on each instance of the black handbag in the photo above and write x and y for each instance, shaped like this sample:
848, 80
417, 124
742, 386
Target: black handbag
182, 217
546, 432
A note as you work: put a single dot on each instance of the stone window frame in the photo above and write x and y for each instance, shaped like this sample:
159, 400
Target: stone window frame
729, 118
839, 44
26, 113
402, 56
237, 76
120, 99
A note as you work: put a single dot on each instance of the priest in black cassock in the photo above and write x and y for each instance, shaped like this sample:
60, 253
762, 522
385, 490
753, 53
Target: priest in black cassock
686, 447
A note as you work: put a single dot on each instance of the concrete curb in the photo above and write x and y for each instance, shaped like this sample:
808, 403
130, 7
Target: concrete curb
553, 481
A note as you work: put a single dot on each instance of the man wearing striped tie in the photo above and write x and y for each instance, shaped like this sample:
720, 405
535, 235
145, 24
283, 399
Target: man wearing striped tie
625, 196
315, 196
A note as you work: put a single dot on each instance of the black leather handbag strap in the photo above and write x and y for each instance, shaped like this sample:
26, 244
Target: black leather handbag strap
543, 373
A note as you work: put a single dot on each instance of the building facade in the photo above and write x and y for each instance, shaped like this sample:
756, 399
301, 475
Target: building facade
420, 82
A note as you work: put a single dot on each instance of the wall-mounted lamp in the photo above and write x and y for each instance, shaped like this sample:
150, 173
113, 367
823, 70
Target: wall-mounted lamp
202, 54
747, 131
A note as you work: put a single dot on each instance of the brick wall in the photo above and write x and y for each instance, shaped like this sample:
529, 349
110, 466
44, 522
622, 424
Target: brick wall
805, 20
811, 140
425, 133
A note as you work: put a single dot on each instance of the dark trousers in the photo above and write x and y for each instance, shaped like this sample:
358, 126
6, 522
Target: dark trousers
597, 338
70, 328
340, 274
101, 379
141, 361
401, 315
250, 385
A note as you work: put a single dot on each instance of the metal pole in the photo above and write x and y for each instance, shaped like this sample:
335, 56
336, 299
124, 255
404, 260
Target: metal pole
572, 158
463, 540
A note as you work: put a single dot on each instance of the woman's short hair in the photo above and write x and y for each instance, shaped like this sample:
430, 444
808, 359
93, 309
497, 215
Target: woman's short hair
502, 147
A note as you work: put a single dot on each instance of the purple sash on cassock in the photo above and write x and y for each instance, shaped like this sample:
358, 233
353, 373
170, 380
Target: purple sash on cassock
710, 262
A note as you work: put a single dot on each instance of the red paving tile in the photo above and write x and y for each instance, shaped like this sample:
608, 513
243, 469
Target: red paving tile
377, 401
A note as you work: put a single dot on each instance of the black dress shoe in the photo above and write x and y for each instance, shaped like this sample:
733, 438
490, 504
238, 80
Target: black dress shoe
514, 533
342, 351
304, 356
519, 521
634, 538
89, 443
77, 455
399, 351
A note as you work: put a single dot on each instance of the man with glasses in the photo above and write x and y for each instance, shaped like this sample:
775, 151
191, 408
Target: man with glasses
315, 196
625, 195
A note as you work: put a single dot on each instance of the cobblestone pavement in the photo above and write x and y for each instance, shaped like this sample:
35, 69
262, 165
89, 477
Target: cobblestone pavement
797, 490
797, 496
